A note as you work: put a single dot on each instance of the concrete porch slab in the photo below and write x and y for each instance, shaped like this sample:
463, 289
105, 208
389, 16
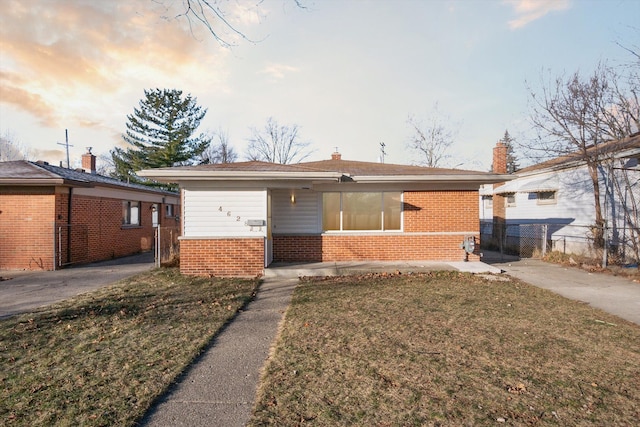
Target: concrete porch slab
292, 270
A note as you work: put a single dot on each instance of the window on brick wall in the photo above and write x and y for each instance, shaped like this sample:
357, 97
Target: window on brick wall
130, 212
168, 209
362, 211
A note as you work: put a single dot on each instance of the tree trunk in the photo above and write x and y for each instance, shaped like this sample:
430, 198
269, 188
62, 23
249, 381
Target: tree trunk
598, 229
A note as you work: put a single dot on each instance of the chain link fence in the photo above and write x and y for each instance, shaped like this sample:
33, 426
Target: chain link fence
523, 240
527, 240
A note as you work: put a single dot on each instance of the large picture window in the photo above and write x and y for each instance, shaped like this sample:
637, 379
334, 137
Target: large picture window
130, 213
362, 211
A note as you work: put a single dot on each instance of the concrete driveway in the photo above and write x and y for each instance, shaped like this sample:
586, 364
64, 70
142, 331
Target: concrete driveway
614, 294
22, 291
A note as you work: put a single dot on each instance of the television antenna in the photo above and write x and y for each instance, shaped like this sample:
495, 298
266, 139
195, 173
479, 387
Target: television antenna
66, 144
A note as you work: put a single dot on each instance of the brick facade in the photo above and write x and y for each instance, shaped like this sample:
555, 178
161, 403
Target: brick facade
435, 223
34, 225
225, 257
26, 228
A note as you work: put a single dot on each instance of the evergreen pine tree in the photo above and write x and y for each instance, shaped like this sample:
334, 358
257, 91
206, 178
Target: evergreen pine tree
160, 133
512, 161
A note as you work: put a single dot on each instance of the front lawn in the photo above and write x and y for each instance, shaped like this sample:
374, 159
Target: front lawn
450, 349
103, 357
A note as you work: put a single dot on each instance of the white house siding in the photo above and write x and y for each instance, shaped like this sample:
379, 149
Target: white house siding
570, 218
219, 213
300, 217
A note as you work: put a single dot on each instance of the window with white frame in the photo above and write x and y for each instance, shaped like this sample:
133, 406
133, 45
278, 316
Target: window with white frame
546, 197
510, 200
362, 211
488, 201
168, 211
130, 212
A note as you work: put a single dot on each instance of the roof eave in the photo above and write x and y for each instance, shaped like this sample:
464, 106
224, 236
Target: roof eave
470, 178
26, 182
168, 175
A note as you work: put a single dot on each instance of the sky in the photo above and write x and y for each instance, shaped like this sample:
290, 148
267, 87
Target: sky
348, 73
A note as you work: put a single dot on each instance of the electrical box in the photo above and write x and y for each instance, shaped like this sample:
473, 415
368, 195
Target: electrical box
468, 244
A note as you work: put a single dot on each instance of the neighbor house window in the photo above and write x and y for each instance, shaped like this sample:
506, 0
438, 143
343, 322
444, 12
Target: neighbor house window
130, 213
488, 201
546, 197
362, 211
168, 209
510, 200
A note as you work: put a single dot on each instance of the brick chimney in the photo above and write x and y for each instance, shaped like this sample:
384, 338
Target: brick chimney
89, 161
499, 158
336, 156
499, 165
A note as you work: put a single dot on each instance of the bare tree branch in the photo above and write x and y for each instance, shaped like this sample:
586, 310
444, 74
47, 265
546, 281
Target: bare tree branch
277, 144
219, 150
431, 141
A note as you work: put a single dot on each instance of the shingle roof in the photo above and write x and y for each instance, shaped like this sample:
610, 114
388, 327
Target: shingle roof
354, 168
41, 173
347, 167
631, 144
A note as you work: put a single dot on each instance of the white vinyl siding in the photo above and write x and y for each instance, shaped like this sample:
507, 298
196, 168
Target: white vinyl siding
300, 216
210, 213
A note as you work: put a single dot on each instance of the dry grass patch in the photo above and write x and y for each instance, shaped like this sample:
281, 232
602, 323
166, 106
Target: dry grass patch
103, 357
451, 349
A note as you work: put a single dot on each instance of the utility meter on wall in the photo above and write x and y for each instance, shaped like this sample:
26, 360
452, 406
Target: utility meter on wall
469, 245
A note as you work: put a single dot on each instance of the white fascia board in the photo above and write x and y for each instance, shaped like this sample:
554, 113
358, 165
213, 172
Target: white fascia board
182, 175
471, 178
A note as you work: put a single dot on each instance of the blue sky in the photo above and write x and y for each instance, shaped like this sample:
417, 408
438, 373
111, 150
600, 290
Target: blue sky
347, 72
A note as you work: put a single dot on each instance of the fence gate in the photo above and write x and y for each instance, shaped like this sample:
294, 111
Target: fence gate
523, 240
167, 247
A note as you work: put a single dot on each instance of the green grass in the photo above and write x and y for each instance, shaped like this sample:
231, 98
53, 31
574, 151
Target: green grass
448, 349
103, 357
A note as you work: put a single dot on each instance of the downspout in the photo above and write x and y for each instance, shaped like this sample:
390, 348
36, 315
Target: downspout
69, 225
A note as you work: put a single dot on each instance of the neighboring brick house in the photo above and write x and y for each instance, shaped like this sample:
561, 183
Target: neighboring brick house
239, 217
52, 216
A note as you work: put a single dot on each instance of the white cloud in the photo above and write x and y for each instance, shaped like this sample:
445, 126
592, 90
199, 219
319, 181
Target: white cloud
530, 10
278, 71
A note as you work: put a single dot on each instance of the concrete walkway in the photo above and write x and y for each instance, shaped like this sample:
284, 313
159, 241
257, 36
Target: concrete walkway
220, 387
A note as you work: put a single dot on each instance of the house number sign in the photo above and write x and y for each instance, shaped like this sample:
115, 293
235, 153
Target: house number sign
229, 214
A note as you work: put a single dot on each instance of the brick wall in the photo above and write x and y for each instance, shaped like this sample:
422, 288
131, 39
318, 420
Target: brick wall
99, 232
32, 217
241, 257
429, 219
26, 228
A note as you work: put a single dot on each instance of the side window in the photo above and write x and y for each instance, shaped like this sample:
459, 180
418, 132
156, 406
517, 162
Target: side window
130, 212
546, 197
510, 200
168, 211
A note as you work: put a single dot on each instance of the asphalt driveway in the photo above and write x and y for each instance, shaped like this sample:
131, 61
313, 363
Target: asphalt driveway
22, 291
